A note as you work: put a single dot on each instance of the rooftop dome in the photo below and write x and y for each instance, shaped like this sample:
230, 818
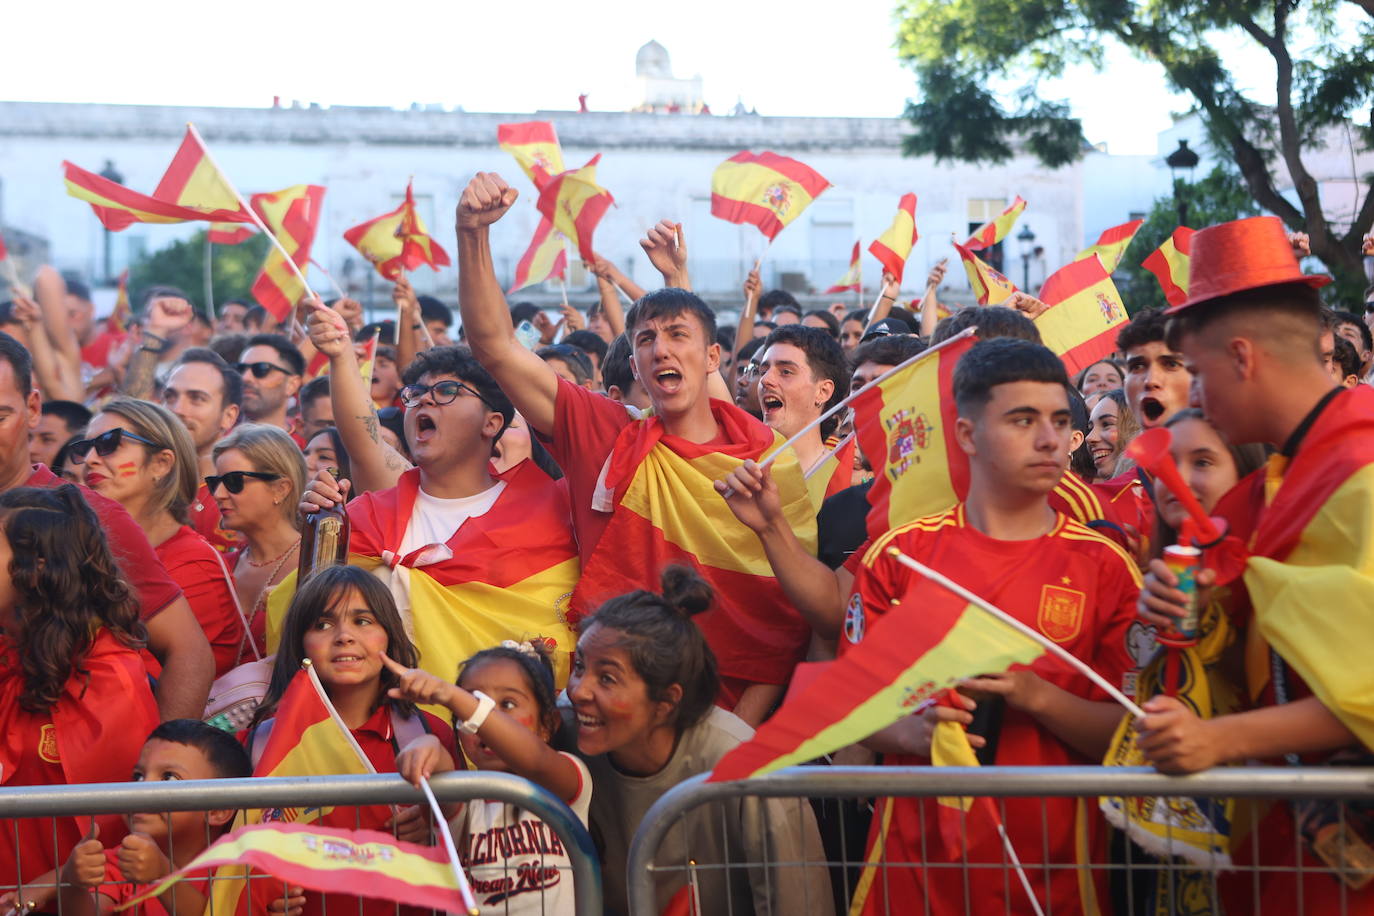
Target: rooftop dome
652, 60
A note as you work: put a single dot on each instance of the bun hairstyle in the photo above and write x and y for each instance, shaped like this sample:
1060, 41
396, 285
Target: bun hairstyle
532, 657
664, 646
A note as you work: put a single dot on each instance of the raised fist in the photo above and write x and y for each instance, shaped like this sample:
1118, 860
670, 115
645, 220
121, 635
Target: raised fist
485, 200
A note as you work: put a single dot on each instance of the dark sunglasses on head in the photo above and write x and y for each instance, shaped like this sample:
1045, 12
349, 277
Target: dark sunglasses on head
260, 370
233, 481
443, 392
106, 443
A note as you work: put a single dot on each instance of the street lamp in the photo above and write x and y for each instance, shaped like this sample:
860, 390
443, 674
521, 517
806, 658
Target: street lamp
1027, 240
110, 173
1180, 160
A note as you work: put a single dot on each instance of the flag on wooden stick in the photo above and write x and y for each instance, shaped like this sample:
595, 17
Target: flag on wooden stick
397, 241
996, 229
764, 190
853, 277
893, 247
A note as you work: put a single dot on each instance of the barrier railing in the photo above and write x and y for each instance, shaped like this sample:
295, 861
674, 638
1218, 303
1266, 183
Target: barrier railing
836, 782
337, 791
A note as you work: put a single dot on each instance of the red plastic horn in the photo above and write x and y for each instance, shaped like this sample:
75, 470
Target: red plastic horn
1150, 450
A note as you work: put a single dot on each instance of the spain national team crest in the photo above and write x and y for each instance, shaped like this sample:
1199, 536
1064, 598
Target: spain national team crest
1110, 310
47, 744
778, 197
1061, 612
854, 619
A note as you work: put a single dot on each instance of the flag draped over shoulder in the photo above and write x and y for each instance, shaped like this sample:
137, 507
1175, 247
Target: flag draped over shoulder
507, 574
1084, 315
575, 203
905, 425
546, 257
397, 241
534, 144
996, 229
667, 511
988, 283
1169, 264
923, 646
853, 277
366, 863
893, 247
1112, 244
292, 215
764, 190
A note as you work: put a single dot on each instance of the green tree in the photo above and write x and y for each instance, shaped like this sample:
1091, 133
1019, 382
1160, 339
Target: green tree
1215, 199
182, 264
1323, 77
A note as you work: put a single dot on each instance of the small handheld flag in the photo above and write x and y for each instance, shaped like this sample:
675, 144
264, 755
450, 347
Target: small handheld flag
397, 241
853, 277
1084, 315
1170, 264
575, 203
893, 247
988, 283
291, 217
1112, 244
534, 144
764, 190
996, 229
546, 257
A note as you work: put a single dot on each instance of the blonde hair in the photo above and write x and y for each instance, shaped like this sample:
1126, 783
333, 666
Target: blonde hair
175, 492
272, 451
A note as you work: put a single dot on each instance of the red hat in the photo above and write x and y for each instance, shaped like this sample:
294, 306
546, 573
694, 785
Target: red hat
1243, 254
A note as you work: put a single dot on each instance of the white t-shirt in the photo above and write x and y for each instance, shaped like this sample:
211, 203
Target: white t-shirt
433, 520
515, 863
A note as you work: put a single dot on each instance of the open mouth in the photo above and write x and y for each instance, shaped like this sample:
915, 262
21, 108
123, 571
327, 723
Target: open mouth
587, 721
424, 423
669, 380
1151, 409
770, 402
1102, 452
346, 659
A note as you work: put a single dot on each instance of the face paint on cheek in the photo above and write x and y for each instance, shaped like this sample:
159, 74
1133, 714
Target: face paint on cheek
127, 469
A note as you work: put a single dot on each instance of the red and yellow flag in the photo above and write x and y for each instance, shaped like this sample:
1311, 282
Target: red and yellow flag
546, 257
933, 640
397, 241
893, 247
996, 229
118, 322
1112, 244
367, 358
853, 277
366, 863
1169, 264
575, 203
292, 216
989, 284
1085, 312
764, 190
534, 144
4, 252
193, 180
231, 233
905, 425
308, 738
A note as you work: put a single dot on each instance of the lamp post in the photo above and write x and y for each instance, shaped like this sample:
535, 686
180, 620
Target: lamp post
110, 173
1027, 240
1179, 161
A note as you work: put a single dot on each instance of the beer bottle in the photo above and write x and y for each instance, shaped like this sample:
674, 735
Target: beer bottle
324, 539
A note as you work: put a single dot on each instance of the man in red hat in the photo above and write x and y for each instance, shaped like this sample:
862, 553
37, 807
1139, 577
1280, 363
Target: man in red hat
1249, 335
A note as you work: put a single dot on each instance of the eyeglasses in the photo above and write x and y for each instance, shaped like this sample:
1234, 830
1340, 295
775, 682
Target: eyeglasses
234, 480
443, 392
261, 370
106, 443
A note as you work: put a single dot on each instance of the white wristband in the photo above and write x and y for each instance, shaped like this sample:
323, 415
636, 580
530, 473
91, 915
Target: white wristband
485, 705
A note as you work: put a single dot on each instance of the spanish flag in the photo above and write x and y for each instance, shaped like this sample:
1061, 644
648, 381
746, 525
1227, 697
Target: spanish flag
546, 257
192, 180
534, 144
367, 357
996, 229
905, 425
575, 203
118, 322
852, 280
1085, 312
764, 190
507, 574
1112, 244
292, 216
893, 247
666, 511
1169, 264
231, 233
922, 647
365, 863
397, 241
988, 283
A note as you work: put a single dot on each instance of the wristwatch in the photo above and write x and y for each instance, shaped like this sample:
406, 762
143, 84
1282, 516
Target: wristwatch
485, 705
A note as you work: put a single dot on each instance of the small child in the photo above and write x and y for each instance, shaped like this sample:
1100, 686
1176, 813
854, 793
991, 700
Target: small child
157, 844
505, 703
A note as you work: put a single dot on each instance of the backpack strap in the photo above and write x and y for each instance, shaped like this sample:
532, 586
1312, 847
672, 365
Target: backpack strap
405, 729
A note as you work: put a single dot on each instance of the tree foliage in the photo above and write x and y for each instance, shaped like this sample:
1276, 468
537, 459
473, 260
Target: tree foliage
182, 264
962, 50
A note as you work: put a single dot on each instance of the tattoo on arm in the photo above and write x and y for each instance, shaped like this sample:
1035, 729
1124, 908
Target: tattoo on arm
394, 461
138, 377
370, 426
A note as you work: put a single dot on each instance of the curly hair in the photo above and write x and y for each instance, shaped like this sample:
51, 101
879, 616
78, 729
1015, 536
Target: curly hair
66, 584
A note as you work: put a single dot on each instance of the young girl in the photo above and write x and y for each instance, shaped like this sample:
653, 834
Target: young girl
74, 694
345, 622
504, 699
643, 688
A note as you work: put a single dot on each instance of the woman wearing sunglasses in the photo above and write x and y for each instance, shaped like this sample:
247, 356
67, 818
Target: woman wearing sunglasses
258, 479
138, 454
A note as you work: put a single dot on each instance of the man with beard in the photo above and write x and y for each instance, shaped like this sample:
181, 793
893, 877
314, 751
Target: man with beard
205, 394
271, 369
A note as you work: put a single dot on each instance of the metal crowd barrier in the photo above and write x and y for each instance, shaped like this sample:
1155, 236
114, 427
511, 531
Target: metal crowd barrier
313, 791
815, 783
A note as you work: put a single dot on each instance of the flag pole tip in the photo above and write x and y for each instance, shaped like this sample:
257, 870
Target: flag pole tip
306, 663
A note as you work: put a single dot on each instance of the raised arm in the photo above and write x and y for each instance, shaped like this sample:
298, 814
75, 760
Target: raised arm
526, 379
608, 278
667, 251
930, 305
410, 338
51, 290
886, 300
48, 368
744, 331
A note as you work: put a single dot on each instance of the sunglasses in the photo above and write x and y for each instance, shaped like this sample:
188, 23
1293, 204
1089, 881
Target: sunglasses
261, 370
1369, 306
234, 480
106, 443
443, 392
